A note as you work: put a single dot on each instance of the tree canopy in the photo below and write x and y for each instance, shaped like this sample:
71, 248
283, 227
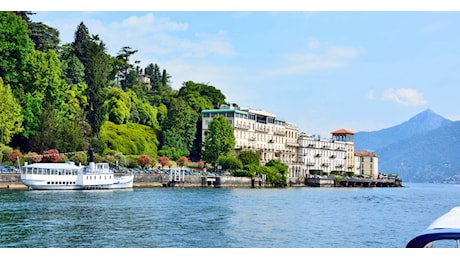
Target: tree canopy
73, 96
218, 140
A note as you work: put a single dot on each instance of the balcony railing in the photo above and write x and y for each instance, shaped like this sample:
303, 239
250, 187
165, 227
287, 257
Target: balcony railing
278, 132
260, 129
239, 126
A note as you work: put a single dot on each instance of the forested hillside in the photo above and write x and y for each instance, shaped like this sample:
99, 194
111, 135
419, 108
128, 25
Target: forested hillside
73, 96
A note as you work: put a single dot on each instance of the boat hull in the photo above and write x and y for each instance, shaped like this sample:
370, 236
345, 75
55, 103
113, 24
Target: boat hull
43, 185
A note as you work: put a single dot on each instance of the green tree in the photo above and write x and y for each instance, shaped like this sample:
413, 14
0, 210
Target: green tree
10, 114
280, 167
276, 172
118, 105
274, 178
31, 112
42, 77
81, 40
219, 139
173, 146
180, 127
249, 157
201, 96
73, 70
230, 162
122, 67
44, 37
15, 45
130, 139
97, 68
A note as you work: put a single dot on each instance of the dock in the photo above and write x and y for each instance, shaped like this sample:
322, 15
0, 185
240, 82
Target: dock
331, 181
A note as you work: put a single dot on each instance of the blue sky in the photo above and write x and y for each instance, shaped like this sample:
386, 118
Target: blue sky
321, 70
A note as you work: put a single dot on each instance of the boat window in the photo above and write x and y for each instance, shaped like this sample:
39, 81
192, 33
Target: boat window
444, 243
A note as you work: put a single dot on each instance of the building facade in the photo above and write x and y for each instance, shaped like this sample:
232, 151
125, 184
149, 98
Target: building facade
366, 164
259, 131
275, 139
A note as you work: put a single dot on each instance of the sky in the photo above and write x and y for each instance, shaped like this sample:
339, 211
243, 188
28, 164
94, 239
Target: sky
352, 66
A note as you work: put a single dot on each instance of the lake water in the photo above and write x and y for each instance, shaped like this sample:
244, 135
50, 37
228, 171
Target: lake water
222, 217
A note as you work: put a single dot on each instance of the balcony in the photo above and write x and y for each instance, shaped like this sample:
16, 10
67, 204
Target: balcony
252, 138
261, 129
240, 126
281, 133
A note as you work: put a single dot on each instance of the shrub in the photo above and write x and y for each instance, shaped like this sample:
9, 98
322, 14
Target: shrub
13, 155
32, 157
80, 158
51, 155
163, 161
132, 161
200, 164
144, 161
130, 138
230, 163
242, 173
121, 159
183, 161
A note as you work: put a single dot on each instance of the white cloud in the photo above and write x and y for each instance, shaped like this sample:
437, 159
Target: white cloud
404, 96
317, 58
313, 44
149, 22
156, 36
342, 52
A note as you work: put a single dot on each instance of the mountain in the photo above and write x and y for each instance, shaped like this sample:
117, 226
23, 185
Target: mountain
432, 156
422, 122
425, 148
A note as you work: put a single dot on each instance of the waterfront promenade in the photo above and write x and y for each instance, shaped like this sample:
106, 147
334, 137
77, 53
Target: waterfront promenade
13, 181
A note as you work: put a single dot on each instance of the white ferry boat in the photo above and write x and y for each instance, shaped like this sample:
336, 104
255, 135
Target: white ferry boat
68, 176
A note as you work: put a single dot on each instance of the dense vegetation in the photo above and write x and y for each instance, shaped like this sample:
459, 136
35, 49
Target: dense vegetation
71, 97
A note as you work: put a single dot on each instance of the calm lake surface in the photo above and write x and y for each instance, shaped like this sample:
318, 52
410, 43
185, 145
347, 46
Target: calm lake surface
222, 217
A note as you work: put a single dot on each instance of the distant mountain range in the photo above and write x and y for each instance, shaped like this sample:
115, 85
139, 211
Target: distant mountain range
426, 148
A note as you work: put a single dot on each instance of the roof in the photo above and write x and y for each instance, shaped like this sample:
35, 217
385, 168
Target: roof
217, 111
365, 154
449, 220
342, 131
68, 166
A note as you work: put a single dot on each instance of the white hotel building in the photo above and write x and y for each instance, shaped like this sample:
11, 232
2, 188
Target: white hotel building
274, 138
